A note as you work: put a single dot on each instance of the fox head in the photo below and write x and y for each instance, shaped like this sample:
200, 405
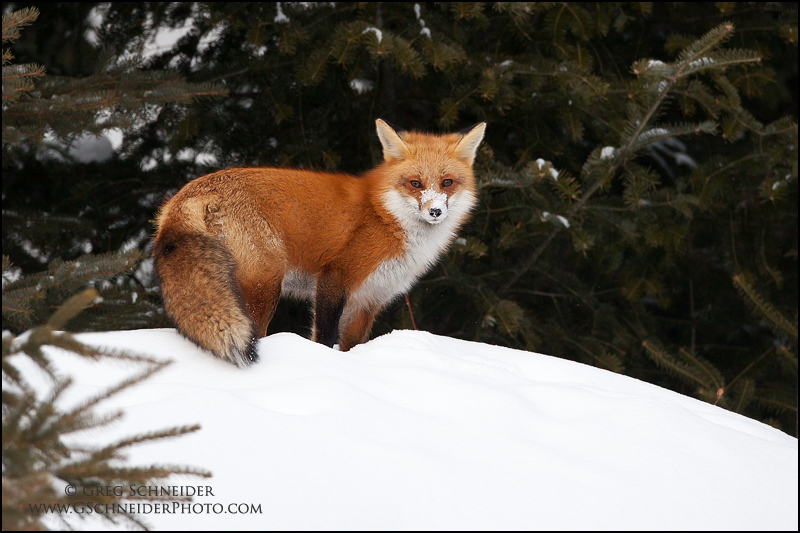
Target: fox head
428, 178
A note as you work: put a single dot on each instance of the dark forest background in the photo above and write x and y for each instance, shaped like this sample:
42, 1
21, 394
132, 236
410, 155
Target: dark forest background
638, 202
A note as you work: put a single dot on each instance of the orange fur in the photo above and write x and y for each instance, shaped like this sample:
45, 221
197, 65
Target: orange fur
228, 244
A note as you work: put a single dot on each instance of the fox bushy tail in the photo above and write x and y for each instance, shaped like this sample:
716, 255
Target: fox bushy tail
201, 295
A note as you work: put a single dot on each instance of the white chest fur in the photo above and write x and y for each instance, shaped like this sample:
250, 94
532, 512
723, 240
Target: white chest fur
424, 245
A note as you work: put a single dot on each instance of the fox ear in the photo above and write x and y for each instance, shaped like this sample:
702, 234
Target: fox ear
468, 145
393, 145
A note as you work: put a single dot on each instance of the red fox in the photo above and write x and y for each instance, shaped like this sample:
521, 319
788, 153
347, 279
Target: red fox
229, 244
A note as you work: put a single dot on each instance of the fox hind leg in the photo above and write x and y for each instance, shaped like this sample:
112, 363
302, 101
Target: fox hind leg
261, 299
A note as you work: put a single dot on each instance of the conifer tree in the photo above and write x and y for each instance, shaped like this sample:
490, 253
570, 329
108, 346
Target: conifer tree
38, 453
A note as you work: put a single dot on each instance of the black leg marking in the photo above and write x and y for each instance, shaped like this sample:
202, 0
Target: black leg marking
327, 313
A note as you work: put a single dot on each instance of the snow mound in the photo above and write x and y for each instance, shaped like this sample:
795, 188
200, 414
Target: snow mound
417, 431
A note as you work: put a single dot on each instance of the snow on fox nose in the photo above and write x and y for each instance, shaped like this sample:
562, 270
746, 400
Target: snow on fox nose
433, 205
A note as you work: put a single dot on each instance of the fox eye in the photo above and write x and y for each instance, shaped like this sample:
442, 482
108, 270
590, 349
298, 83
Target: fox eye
447, 183
416, 184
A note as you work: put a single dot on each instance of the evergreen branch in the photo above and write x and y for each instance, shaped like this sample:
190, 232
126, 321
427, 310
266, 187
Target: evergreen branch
508, 314
707, 368
706, 43
580, 16
763, 307
605, 359
17, 303
667, 131
788, 359
28, 298
125, 384
683, 67
637, 134
567, 187
596, 186
69, 106
33, 430
71, 308
719, 60
528, 264
16, 20
149, 437
19, 78
668, 362
782, 126
311, 71
723, 170
162, 471
749, 367
699, 92
745, 395
778, 400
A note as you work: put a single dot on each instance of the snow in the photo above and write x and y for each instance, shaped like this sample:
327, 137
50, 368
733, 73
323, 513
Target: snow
653, 132
546, 215
208, 39
164, 37
424, 31
198, 157
417, 431
115, 137
280, 18
607, 152
89, 148
378, 33
702, 62
430, 195
13, 274
94, 21
361, 86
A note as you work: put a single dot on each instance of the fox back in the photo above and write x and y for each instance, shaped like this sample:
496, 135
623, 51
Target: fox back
229, 244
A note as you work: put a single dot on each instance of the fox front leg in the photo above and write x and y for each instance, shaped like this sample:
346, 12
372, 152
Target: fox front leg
357, 328
328, 306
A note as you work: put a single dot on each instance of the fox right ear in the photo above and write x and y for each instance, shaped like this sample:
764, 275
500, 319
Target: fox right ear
393, 145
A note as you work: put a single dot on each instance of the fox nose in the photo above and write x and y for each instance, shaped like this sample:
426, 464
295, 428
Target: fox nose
435, 212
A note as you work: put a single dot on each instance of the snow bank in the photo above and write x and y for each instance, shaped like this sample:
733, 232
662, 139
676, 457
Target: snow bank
417, 431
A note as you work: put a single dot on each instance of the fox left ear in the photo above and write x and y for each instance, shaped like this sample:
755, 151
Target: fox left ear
468, 145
